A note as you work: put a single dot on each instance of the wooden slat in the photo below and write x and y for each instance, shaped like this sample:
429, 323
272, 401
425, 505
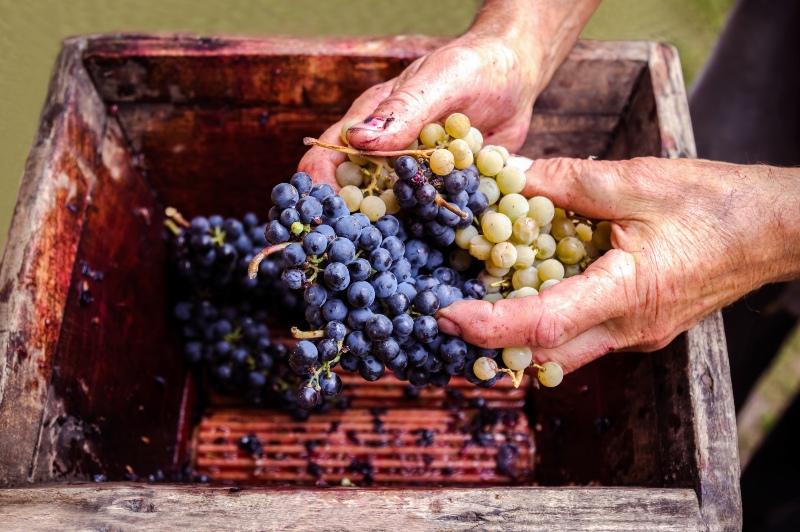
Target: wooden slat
167, 508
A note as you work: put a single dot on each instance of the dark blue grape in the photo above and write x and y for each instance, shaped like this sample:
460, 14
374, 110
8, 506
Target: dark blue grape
433, 364
327, 231
388, 225
314, 316
348, 227
452, 350
362, 219
349, 362
360, 269
276, 233
426, 212
394, 246
315, 243
474, 289
358, 318
416, 229
342, 250
309, 209
307, 397
417, 251
464, 222
304, 356
426, 302
379, 327
407, 289
357, 343
289, 216
386, 349
426, 282
380, 259
199, 225
435, 259
335, 330
233, 229
223, 373
404, 193
370, 368
403, 325
334, 310
477, 202
315, 295
398, 363
425, 194
455, 182
406, 167
193, 351
322, 191
417, 354
401, 269
447, 217
370, 238
440, 379
418, 377
183, 311
294, 255
284, 195
425, 329
327, 349
446, 275
256, 379
302, 182
445, 238
396, 303
460, 199
385, 284
330, 384
336, 276
360, 294
473, 179
294, 279
334, 207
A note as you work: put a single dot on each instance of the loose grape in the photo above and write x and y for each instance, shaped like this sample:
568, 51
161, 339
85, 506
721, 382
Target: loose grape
584, 232
545, 246
551, 269
373, 208
460, 260
562, 228
513, 206
475, 140
484, 368
462, 155
496, 227
349, 173
489, 188
495, 271
525, 257
465, 235
388, 197
489, 162
602, 236
541, 210
525, 230
526, 277
504, 255
352, 197
548, 283
572, 270
550, 374
457, 125
441, 162
511, 180
525, 291
517, 358
493, 298
480, 248
432, 134
570, 250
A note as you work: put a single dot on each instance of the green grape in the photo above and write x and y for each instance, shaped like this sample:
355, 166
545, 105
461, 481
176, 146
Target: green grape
493, 297
525, 230
502, 151
548, 283
373, 208
550, 269
490, 282
550, 374
495, 271
584, 232
388, 197
480, 248
572, 270
545, 246
570, 250
602, 236
513, 206
504, 255
558, 212
489, 188
526, 277
541, 209
484, 368
460, 260
432, 134
525, 291
525, 257
511, 180
517, 358
475, 140
349, 173
457, 125
462, 155
441, 162
465, 235
562, 228
489, 162
496, 227
352, 197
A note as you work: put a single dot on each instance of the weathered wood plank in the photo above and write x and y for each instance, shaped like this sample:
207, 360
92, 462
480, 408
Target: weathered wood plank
162, 508
37, 265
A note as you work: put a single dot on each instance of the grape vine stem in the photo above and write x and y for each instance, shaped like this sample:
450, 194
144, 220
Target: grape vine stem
252, 268
311, 141
301, 335
441, 202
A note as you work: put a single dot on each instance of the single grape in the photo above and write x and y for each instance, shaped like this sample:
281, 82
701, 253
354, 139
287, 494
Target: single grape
360, 294
425, 329
385, 284
496, 227
526, 277
336, 276
370, 368
309, 209
341, 250
524, 230
352, 197
511, 180
425, 194
477, 202
406, 167
380, 259
545, 246
503, 255
488, 187
349, 174
334, 310
584, 232
284, 195
315, 295
513, 206
334, 207
307, 397
426, 302
525, 257
441, 162
378, 327
432, 134
330, 384
370, 238
548, 283
551, 374
335, 330
484, 368
457, 125
495, 271
475, 140
373, 207
570, 250
562, 228
602, 236
465, 235
517, 358
550, 269
541, 209
390, 201
489, 161
525, 291
480, 248
474, 289
462, 154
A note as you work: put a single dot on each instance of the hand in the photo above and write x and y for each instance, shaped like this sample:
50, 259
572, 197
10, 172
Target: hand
493, 74
689, 237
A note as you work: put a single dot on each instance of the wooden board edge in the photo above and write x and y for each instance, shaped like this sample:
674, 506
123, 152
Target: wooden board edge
708, 369
180, 507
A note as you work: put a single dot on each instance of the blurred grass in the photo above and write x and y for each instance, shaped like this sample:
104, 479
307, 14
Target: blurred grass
30, 33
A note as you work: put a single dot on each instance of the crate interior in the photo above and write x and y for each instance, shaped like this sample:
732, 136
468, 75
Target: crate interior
206, 130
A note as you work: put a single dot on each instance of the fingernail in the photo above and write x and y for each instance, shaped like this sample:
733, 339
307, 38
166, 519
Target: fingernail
448, 326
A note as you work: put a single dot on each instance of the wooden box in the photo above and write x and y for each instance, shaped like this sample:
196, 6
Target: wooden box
92, 379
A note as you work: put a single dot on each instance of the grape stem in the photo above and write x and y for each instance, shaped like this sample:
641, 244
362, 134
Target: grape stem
516, 376
173, 227
441, 202
301, 335
311, 141
174, 214
252, 268
313, 381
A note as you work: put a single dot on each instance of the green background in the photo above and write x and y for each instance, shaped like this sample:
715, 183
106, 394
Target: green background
30, 33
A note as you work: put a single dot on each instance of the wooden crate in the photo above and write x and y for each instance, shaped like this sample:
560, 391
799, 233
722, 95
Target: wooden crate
92, 379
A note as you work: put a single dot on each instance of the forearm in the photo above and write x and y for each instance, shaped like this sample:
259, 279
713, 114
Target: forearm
779, 219
542, 31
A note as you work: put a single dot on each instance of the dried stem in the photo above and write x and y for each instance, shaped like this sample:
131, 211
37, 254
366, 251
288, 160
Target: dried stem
300, 335
174, 214
441, 202
252, 268
311, 141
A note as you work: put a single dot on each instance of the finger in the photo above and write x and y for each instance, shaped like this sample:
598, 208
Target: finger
422, 95
581, 350
321, 163
598, 189
606, 290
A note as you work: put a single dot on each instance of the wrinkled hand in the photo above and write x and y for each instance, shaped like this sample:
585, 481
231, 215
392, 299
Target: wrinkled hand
689, 236
488, 79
